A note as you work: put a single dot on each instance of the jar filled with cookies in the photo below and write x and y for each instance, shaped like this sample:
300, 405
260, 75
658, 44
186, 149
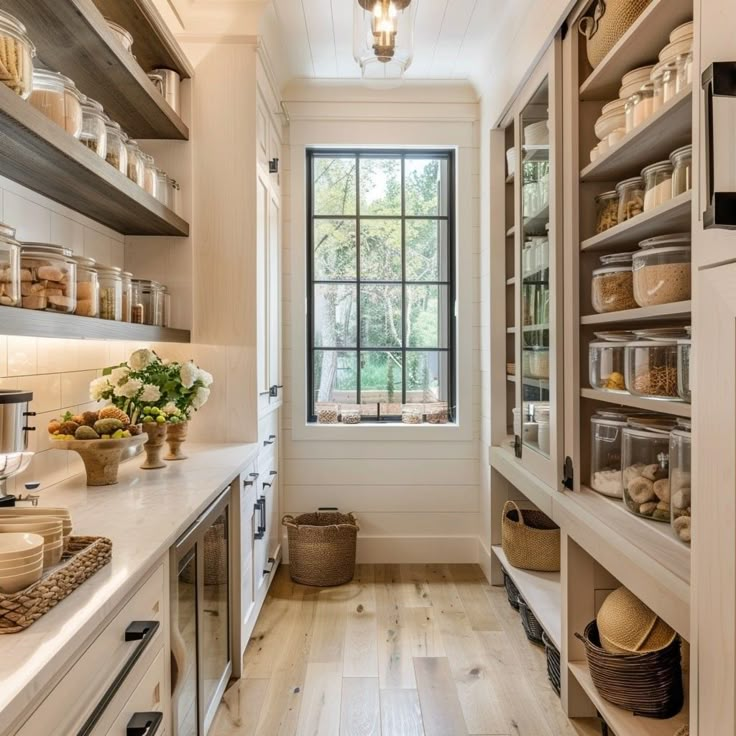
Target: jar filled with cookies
48, 278
9, 267
88, 287
645, 471
16, 56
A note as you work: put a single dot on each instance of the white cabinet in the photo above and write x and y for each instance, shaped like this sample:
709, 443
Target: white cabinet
262, 289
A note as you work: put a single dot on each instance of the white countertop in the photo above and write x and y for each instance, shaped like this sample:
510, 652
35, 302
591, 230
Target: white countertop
144, 514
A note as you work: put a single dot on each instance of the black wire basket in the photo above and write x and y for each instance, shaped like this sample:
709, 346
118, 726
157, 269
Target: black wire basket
512, 592
532, 628
553, 663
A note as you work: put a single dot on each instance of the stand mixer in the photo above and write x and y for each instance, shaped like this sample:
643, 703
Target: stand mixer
14, 455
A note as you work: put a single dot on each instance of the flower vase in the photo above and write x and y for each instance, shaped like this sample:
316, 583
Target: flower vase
176, 435
154, 445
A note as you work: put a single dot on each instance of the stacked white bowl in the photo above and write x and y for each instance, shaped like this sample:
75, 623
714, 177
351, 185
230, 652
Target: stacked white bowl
32, 512
49, 527
21, 560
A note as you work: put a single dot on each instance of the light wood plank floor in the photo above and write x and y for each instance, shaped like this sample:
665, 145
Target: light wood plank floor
403, 650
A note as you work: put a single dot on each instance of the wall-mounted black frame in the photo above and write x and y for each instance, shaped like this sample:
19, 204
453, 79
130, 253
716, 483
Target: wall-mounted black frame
448, 267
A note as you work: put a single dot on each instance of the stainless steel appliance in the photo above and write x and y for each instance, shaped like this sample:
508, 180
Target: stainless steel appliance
14, 429
201, 662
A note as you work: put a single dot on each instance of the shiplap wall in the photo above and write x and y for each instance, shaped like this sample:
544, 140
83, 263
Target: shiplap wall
416, 492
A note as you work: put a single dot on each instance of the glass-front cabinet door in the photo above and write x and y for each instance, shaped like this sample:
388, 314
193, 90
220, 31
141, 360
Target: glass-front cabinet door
537, 411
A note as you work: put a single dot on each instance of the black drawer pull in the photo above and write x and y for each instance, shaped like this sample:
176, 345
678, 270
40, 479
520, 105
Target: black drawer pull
144, 724
272, 562
258, 534
142, 632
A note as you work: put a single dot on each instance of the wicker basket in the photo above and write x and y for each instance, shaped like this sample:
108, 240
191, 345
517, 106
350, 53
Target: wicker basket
532, 627
321, 547
84, 556
608, 23
512, 592
647, 684
553, 663
530, 539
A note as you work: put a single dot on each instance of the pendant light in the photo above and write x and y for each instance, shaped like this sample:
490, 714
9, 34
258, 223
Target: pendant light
383, 37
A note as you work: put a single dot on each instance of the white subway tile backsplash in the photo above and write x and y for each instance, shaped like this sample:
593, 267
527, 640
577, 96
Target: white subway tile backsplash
97, 246
46, 391
67, 232
32, 221
75, 387
22, 356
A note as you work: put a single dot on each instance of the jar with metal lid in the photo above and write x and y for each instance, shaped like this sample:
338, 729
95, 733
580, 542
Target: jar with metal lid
9, 267
166, 306
661, 275
606, 366
111, 293
88, 287
94, 132
650, 368
171, 82
606, 206
684, 348
645, 472
147, 302
48, 96
72, 108
664, 79
680, 488
162, 187
157, 81
127, 287
136, 169
121, 35
657, 184
48, 277
630, 198
149, 174
612, 287
117, 154
682, 166
16, 55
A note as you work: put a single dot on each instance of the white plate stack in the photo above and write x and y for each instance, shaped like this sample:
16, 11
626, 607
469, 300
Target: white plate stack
21, 560
54, 529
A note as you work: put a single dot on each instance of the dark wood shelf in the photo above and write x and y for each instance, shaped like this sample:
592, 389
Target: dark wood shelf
38, 154
72, 37
32, 323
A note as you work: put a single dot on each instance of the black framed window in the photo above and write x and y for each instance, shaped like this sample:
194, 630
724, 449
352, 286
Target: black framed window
381, 291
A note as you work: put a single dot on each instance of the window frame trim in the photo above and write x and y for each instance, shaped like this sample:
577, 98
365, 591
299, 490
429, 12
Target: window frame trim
402, 153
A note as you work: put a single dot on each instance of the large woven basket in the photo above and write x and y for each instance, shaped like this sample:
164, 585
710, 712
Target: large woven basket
84, 556
608, 23
215, 556
530, 539
321, 547
553, 663
648, 684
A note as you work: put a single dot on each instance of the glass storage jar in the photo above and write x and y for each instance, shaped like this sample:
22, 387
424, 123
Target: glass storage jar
684, 348
173, 198
88, 287
412, 414
680, 479
48, 95
166, 306
127, 288
640, 107
149, 174
111, 293
538, 362
94, 132
684, 71
121, 34
657, 184
650, 368
682, 165
350, 414
117, 154
541, 412
162, 187
606, 206
630, 198
136, 169
327, 413
645, 470
612, 287
9, 266
147, 302
606, 431
437, 413
664, 79
16, 55
72, 108
606, 366
48, 277
661, 275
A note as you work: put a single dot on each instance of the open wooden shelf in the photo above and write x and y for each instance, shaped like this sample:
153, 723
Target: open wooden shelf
541, 591
637, 47
672, 311
72, 37
536, 222
537, 152
668, 129
38, 154
670, 217
622, 722
663, 406
33, 323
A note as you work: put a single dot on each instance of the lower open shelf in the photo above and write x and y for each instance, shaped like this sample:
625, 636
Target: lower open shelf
621, 721
542, 593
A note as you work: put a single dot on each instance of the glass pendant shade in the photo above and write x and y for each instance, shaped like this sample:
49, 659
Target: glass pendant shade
383, 37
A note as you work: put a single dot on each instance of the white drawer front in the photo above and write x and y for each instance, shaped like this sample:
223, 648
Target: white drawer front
70, 703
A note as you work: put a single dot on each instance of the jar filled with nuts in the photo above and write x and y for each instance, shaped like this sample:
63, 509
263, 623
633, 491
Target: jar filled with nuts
680, 484
327, 413
651, 368
116, 155
111, 293
630, 198
606, 205
612, 286
16, 56
645, 472
350, 414
48, 276
88, 287
9, 267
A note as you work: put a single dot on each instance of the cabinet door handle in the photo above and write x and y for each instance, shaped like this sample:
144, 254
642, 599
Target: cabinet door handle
263, 513
272, 562
144, 724
271, 439
274, 472
142, 632
273, 392
258, 534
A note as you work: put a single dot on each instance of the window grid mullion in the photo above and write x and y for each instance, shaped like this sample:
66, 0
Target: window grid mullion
404, 315
358, 388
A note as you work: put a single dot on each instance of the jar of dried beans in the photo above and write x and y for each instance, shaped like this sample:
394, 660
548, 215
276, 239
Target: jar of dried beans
662, 274
612, 287
606, 211
48, 277
630, 198
88, 287
651, 368
111, 293
16, 56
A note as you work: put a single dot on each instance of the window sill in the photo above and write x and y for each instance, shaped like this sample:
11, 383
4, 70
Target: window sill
387, 432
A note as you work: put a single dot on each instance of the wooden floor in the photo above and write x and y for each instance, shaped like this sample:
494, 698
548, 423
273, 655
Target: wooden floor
403, 650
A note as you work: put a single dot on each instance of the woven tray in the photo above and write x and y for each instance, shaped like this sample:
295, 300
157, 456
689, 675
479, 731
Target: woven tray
83, 558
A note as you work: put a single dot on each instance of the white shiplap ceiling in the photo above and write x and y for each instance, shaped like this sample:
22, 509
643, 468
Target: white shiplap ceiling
452, 37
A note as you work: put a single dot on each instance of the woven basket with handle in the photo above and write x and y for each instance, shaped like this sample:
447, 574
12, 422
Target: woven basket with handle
530, 539
321, 547
607, 24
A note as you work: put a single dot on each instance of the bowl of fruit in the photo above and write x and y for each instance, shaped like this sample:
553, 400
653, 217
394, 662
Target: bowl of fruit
100, 438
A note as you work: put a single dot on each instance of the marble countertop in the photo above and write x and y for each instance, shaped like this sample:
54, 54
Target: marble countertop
144, 514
